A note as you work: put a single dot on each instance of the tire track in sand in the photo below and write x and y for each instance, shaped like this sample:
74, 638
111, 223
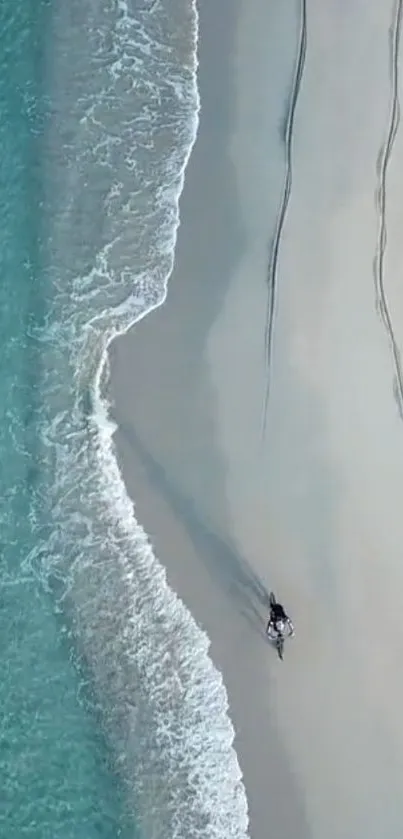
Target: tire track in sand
380, 199
276, 240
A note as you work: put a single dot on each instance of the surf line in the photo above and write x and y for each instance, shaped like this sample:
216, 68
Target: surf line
276, 240
380, 199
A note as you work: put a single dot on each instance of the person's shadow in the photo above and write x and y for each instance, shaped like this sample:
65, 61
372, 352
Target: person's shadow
223, 562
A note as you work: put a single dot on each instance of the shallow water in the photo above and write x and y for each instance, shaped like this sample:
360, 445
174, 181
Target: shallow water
53, 758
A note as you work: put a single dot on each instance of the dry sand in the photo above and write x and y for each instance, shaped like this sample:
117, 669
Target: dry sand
315, 509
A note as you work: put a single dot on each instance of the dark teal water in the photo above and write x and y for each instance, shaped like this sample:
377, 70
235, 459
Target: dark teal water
56, 777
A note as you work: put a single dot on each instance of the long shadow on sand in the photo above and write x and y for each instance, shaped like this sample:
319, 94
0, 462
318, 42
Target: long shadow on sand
221, 559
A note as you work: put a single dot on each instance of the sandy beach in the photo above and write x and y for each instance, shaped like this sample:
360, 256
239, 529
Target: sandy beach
311, 508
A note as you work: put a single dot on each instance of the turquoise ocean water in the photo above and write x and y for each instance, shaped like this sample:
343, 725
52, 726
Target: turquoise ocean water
113, 719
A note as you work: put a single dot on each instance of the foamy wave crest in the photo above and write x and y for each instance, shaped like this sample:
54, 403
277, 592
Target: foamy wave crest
162, 703
113, 219
173, 727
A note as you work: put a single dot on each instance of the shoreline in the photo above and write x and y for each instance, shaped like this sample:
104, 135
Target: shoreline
173, 469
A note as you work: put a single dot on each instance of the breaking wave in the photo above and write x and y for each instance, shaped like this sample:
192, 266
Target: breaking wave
117, 149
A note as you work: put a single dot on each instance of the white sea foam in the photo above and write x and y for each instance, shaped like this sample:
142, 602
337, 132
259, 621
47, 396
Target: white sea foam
178, 715
163, 704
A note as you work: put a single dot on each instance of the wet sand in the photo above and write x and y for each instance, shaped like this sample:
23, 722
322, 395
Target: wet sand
311, 507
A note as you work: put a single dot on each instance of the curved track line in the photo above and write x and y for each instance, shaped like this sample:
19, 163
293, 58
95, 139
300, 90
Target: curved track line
380, 198
275, 245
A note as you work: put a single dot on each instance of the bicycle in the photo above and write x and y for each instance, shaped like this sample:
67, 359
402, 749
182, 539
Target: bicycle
276, 632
